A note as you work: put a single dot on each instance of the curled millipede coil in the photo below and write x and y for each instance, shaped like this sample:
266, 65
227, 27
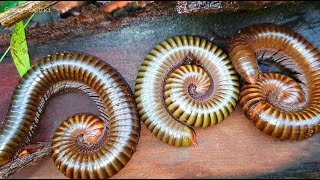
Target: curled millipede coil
84, 146
281, 106
185, 82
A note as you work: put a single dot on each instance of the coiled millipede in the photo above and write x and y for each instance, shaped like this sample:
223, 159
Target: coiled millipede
184, 82
283, 107
84, 146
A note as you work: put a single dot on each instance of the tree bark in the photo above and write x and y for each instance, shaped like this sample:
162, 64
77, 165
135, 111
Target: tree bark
38, 151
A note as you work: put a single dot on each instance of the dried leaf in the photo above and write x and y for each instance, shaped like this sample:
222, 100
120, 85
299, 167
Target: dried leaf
116, 5
22, 153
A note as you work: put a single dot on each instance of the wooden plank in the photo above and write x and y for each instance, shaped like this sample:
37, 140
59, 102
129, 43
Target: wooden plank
232, 149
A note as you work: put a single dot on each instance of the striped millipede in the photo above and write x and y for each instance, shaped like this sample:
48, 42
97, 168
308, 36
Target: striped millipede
183, 82
276, 104
84, 146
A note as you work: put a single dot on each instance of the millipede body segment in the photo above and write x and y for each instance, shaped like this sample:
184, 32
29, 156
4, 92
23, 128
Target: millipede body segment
185, 82
84, 146
281, 106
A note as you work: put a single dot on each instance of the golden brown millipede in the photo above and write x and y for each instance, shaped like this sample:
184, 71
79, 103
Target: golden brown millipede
84, 146
183, 82
276, 104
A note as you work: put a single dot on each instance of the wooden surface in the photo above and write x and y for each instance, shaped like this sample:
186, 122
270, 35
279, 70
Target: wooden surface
231, 149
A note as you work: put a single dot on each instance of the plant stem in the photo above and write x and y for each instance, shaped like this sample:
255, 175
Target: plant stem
29, 20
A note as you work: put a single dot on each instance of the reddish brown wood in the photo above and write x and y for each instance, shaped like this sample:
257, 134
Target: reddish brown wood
233, 148
93, 20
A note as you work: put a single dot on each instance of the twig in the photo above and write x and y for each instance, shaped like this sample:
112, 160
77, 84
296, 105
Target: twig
14, 15
41, 149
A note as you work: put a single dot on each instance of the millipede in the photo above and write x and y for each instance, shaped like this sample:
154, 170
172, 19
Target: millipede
185, 82
83, 146
281, 106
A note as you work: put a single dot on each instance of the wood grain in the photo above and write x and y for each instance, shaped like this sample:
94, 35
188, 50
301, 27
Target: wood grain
232, 149
16, 14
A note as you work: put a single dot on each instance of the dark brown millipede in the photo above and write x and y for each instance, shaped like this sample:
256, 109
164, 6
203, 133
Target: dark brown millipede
84, 146
276, 104
183, 82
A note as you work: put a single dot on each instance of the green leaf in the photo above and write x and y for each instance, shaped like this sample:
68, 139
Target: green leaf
25, 25
6, 5
21, 2
19, 49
